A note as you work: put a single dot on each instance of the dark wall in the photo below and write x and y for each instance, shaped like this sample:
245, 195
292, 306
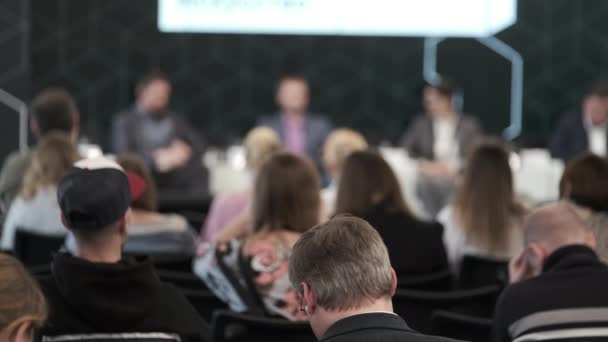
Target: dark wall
223, 82
14, 67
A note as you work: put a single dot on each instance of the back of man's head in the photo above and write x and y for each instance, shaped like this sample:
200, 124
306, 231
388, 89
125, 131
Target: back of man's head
344, 262
556, 225
94, 197
54, 109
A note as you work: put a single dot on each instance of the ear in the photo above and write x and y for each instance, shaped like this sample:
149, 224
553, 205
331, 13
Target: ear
393, 282
310, 302
64, 223
590, 240
23, 333
536, 255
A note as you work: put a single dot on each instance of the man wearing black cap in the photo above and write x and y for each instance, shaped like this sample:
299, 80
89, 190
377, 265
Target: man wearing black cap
97, 291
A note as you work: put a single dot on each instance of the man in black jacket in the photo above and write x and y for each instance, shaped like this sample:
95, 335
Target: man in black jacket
585, 130
559, 289
97, 291
346, 281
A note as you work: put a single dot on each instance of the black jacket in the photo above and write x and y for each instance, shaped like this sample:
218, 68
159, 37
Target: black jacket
415, 247
375, 327
570, 139
570, 293
125, 297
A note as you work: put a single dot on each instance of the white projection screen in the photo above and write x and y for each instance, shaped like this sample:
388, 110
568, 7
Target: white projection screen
426, 18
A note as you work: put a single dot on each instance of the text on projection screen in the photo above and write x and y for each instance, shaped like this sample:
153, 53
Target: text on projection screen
446, 18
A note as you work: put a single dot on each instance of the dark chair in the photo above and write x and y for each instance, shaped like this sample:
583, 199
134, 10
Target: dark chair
479, 271
169, 262
460, 326
204, 301
417, 307
36, 249
438, 281
234, 327
182, 280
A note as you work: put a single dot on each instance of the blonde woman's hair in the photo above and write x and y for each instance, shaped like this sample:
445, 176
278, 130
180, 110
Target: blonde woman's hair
485, 204
261, 143
340, 143
52, 157
21, 300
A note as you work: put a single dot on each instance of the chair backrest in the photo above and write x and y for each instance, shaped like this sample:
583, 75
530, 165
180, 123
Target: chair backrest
234, 327
115, 337
181, 280
461, 326
36, 249
438, 281
204, 301
417, 307
169, 262
478, 271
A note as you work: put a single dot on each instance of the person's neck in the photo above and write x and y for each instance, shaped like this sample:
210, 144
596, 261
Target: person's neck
294, 115
329, 318
109, 255
445, 116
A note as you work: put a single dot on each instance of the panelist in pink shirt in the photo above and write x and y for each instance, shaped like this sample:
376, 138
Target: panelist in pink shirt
302, 132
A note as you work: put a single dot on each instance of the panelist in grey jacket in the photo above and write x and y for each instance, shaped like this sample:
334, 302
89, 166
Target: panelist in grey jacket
302, 132
439, 139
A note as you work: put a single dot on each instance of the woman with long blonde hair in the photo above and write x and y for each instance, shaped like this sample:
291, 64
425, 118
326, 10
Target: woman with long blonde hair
36, 209
23, 308
485, 216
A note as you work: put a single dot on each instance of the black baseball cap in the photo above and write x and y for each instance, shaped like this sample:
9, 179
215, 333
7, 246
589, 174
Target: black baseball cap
96, 193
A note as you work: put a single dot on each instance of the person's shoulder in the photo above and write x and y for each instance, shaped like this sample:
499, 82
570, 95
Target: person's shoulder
569, 118
269, 119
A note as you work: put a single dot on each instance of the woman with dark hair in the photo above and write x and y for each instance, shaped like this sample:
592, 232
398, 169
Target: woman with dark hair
585, 183
286, 203
368, 188
485, 217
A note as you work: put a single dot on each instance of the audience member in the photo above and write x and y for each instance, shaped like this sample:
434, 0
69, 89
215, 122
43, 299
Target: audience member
166, 141
302, 132
583, 132
558, 289
340, 143
150, 232
439, 139
22, 305
585, 184
54, 109
286, 202
485, 218
229, 212
369, 189
98, 291
35, 208
342, 270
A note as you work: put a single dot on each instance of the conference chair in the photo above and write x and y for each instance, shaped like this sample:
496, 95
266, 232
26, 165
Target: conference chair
181, 280
460, 326
478, 271
36, 249
228, 326
438, 281
417, 307
204, 301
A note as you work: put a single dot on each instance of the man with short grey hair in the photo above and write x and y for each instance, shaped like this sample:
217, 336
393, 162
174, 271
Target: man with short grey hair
558, 288
346, 281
